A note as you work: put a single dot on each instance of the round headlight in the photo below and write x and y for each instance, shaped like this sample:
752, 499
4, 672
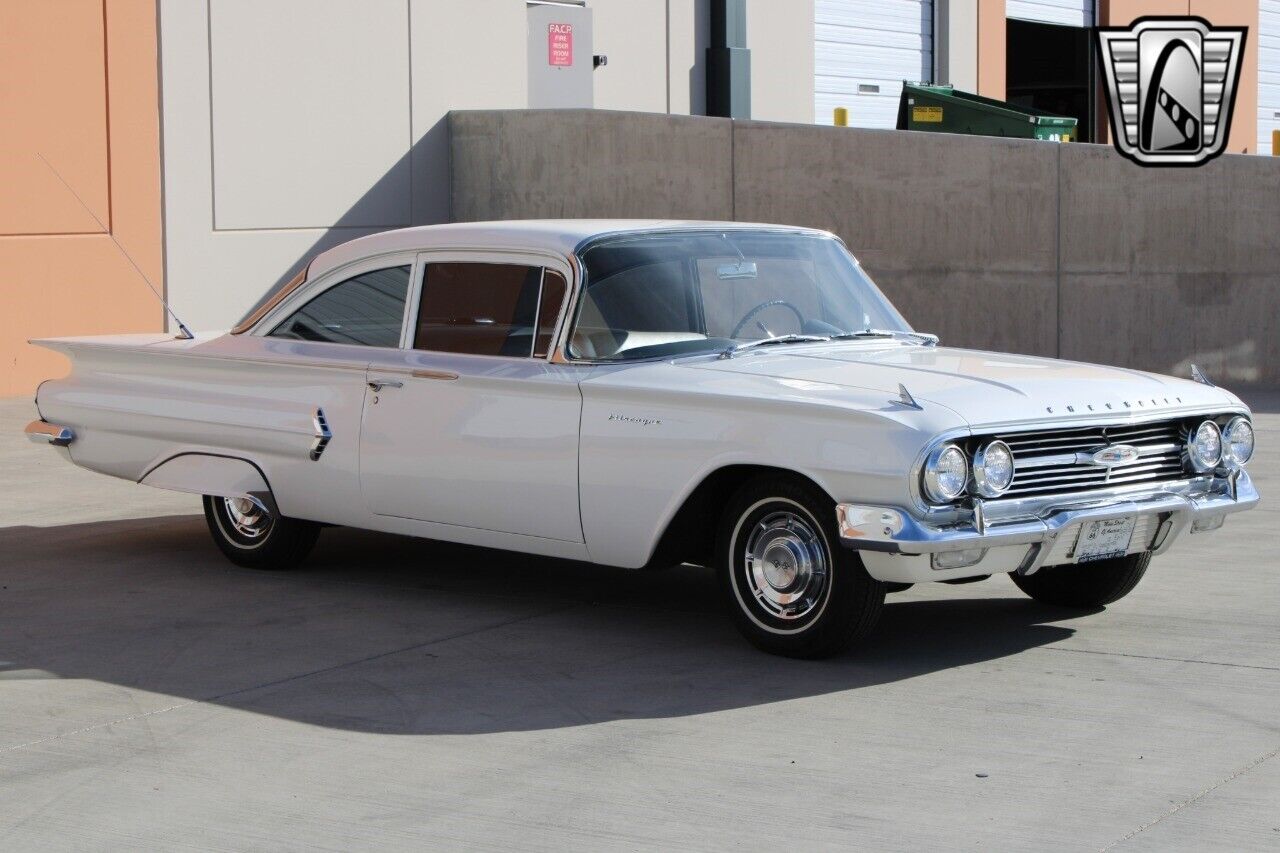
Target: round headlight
993, 468
1205, 447
1237, 442
946, 472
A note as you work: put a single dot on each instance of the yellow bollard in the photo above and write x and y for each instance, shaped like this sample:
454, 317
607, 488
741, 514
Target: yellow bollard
1275, 143
840, 117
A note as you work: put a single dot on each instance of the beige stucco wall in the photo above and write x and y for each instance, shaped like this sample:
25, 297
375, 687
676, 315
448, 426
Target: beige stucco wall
77, 86
955, 46
292, 126
780, 36
298, 124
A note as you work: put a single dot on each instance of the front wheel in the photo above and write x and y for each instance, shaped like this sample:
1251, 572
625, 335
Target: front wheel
789, 591
1085, 586
250, 536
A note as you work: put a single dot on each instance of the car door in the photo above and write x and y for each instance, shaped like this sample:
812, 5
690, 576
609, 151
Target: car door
470, 424
305, 369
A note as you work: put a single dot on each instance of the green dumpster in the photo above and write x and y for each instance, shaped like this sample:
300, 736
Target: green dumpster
942, 109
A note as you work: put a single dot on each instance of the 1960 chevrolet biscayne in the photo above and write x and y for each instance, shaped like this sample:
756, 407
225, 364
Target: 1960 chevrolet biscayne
642, 394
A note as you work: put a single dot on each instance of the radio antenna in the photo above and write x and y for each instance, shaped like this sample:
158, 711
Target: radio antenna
183, 332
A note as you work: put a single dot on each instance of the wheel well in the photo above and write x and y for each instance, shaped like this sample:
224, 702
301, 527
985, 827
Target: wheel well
691, 534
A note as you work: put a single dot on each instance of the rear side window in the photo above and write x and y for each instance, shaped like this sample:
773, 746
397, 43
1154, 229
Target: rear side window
478, 309
367, 310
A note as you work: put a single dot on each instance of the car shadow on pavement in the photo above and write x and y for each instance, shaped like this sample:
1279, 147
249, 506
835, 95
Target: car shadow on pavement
388, 634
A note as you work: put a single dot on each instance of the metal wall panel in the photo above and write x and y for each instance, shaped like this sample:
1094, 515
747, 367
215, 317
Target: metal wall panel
295, 125
1268, 72
862, 53
309, 112
1071, 13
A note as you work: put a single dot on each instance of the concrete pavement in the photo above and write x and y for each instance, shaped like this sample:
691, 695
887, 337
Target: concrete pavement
406, 694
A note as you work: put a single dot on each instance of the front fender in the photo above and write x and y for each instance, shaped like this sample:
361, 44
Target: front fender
648, 440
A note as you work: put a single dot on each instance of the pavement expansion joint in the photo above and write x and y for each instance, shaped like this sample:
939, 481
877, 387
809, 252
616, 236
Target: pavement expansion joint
1235, 774
1160, 657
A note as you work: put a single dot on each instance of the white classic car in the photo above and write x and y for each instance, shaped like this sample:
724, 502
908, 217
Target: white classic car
644, 394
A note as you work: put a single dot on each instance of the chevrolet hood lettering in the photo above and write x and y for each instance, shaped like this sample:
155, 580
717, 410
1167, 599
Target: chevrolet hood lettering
983, 388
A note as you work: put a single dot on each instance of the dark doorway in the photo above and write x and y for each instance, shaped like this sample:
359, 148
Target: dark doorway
1050, 67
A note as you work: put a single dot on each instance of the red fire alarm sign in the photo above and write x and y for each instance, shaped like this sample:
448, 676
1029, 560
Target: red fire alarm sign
560, 44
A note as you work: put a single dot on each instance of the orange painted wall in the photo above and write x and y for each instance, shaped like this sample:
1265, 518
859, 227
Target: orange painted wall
1239, 13
992, 35
78, 85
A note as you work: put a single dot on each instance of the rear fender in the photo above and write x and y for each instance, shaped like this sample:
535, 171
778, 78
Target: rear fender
211, 474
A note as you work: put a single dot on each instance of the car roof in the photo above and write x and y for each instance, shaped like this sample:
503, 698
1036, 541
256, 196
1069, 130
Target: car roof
559, 236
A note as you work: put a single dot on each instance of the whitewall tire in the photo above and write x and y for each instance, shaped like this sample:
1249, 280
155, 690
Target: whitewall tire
790, 587
249, 535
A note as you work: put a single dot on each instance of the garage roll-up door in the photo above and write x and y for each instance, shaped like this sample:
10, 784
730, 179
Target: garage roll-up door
862, 53
1268, 72
1071, 13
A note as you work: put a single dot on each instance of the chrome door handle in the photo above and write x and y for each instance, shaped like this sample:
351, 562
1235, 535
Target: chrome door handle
378, 384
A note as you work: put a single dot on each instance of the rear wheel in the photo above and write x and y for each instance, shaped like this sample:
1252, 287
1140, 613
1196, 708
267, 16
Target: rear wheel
790, 588
1088, 585
250, 536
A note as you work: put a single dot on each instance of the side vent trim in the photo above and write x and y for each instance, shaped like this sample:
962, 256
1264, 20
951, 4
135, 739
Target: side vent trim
323, 435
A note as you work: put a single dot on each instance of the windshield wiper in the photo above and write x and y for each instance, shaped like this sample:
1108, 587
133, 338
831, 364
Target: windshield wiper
779, 339
924, 337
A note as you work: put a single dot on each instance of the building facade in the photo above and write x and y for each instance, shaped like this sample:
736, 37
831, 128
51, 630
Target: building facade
213, 146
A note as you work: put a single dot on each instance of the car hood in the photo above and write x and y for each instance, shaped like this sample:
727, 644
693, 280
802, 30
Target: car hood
983, 388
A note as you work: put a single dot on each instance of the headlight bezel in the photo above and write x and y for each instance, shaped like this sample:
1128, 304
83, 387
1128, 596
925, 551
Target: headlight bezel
930, 481
1230, 459
986, 487
1200, 464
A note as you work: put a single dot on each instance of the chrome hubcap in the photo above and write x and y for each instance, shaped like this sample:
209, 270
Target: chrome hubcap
786, 565
248, 519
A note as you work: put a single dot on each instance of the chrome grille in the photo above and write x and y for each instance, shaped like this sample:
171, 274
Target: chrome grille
1046, 462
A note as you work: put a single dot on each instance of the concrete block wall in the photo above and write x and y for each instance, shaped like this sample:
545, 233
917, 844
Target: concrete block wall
943, 229
1008, 245
1165, 267
529, 164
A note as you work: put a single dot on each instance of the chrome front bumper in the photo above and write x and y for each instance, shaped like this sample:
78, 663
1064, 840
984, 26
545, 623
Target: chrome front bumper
42, 432
892, 531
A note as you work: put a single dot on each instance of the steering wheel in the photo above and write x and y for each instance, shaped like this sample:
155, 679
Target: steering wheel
750, 315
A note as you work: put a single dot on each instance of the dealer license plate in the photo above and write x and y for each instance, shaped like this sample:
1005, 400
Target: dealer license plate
1102, 540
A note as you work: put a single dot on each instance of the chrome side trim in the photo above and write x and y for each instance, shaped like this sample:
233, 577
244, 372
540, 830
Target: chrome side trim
323, 435
47, 433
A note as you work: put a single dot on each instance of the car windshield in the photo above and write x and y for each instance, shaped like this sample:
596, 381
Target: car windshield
662, 294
